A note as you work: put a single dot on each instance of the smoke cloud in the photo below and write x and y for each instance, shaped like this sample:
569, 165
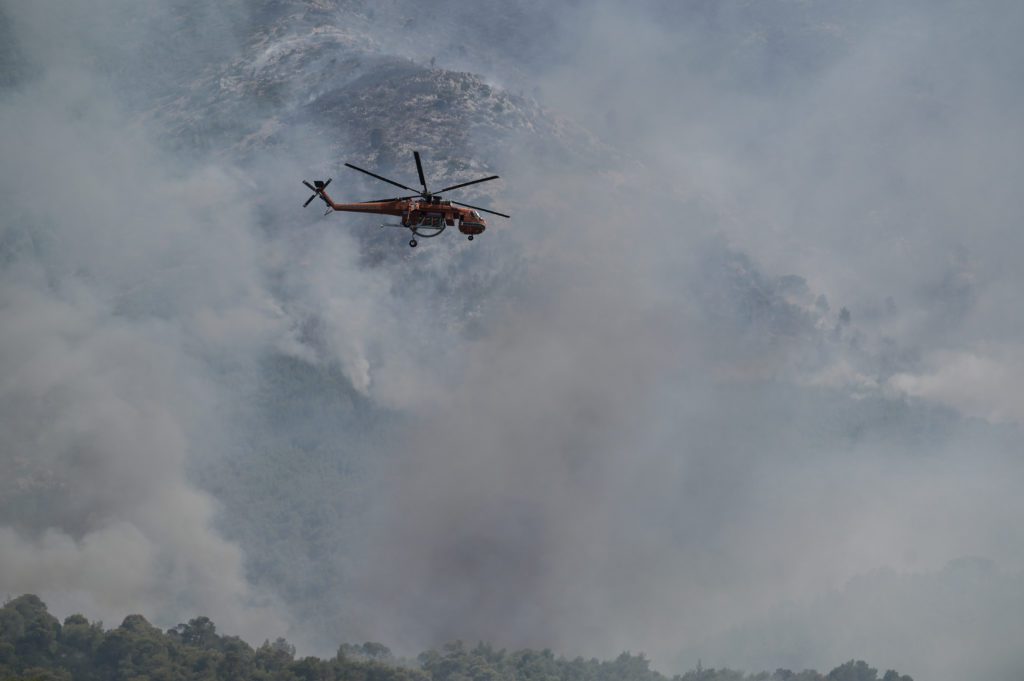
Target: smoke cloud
117, 274
736, 383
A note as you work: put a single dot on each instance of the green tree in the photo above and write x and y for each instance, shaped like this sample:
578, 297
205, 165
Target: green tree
893, 675
138, 651
276, 656
238, 662
854, 670
366, 651
31, 631
199, 632
79, 641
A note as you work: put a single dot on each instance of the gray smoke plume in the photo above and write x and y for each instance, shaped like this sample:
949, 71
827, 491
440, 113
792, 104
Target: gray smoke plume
120, 273
737, 382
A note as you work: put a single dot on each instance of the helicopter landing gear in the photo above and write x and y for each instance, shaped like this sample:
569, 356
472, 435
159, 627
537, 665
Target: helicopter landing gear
470, 237
412, 242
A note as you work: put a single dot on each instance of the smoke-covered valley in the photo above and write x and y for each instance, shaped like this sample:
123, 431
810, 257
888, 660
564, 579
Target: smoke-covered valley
739, 381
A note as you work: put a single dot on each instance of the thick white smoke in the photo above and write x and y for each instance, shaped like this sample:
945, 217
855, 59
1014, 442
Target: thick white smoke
123, 279
737, 385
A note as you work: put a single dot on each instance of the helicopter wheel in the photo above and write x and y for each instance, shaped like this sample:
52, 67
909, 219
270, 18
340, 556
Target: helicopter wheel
470, 237
412, 242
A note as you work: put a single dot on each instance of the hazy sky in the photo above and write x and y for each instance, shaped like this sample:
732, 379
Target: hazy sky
739, 381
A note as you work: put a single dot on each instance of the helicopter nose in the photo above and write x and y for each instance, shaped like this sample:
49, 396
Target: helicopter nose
472, 228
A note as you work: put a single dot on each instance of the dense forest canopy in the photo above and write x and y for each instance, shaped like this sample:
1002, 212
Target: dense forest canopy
35, 646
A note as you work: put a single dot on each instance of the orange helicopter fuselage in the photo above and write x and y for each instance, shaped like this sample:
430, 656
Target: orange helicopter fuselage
418, 212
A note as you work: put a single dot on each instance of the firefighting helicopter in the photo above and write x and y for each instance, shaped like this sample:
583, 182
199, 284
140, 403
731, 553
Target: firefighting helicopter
423, 213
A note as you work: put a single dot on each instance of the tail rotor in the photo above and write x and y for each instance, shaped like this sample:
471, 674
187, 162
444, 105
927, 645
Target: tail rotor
318, 188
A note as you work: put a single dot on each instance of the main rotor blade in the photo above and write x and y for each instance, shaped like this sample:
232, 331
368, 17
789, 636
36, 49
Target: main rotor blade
466, 184
309, 185
419, 169
492, 212
309, 200
383, 179
394, 198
